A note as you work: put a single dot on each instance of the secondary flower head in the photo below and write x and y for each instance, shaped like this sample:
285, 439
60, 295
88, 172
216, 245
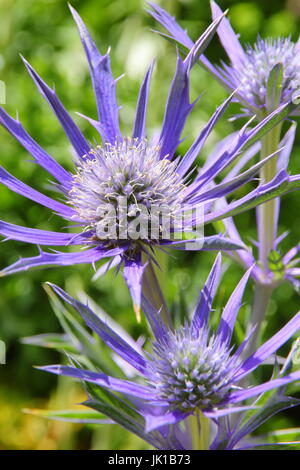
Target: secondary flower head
187, 370
117, 187
192, 369
252, 76
265, 76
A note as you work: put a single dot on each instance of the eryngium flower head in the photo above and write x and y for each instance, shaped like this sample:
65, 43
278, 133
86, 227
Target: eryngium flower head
189, 369
131, 171
144, 173
252, 76
265, 76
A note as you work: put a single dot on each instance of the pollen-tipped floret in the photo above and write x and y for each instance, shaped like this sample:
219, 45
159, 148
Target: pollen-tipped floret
191, 370
252, 76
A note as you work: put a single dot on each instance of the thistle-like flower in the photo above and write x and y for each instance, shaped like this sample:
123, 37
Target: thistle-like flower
252, 75
190, 369
265, 75
116, 185
271, 67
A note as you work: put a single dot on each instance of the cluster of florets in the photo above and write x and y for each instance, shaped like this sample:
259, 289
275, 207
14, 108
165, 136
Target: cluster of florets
252, 76
116, 183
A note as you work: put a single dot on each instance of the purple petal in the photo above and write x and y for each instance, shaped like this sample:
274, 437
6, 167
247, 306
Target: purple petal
245, 257
241, 395
181, 37
243, 141
103, 83
228, 38
110, 337
112, 263
177, 110
226, 187
40, 156
153, 317
141, 109
268, 348
287, 144
103, 380
170, 24
42, 237
21, 188
291, 254
229, 154
204, 306
213, 414
281, 184
237, 354
73, 133
218, 149
133, 274
243, 160
61, 259
231, 310
211, 243
154, 422
195, 149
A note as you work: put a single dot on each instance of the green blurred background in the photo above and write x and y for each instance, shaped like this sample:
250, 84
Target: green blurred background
43, 31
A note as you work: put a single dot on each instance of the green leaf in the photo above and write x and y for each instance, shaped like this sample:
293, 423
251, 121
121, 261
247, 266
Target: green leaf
85, 344
274, 405
288, 433
205, 39
99, 394
123, 420
275, 263
73, 416
279, 446
52, 341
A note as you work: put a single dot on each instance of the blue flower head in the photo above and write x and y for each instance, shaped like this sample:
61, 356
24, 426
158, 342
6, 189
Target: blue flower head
264, 76
187, 370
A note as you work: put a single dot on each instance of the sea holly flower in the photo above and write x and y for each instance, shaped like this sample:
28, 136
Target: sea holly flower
131, 169
265, 75
254, 68
189, 369
266, 78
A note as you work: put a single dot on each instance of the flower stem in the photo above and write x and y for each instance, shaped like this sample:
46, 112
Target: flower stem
267, 219
267, 234
200, 431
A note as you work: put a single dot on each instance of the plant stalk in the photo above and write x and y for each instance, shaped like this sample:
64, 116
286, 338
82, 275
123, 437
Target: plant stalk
267, 218
200, 431
267, 234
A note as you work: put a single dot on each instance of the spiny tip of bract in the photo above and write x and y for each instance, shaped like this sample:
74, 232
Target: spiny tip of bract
137, 311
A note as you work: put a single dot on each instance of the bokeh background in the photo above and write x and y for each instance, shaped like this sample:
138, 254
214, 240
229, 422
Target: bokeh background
43, 31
